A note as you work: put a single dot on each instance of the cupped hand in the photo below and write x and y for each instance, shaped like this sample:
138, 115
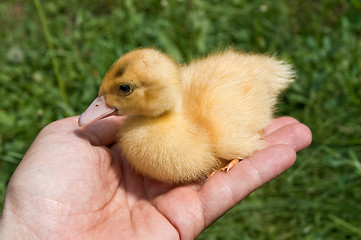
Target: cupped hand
74, 184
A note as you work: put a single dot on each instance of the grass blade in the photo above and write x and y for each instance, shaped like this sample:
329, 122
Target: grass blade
49, 42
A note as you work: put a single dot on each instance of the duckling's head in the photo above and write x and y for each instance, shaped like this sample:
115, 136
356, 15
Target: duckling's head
143, 82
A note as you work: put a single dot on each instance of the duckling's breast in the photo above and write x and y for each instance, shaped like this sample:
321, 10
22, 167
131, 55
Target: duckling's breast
169, 149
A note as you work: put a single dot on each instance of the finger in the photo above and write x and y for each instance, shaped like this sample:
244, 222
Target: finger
296, 135
279, 123
102, 132
224, 190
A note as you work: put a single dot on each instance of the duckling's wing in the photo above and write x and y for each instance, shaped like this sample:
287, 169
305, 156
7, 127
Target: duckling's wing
232, 95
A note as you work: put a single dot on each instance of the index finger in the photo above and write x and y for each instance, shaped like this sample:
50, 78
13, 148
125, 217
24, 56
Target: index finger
284, 137
226, 189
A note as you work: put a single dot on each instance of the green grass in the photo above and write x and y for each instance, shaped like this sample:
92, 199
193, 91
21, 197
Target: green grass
52, 64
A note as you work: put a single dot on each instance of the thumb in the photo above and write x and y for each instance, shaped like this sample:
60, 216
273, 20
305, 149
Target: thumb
102, 132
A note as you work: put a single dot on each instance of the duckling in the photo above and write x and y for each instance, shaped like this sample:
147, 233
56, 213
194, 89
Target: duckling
185, 122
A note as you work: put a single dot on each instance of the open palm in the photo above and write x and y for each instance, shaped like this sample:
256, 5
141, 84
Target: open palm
74, 184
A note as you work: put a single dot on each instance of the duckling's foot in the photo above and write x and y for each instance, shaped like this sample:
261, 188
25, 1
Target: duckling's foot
261, 133
230, 165
212, 173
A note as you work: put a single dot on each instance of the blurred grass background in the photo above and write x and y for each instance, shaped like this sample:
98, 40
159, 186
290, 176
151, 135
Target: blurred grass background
52, 62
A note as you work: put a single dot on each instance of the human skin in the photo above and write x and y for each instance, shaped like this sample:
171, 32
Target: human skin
74, 184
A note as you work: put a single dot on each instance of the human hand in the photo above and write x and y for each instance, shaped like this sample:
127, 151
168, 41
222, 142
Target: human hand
73, 184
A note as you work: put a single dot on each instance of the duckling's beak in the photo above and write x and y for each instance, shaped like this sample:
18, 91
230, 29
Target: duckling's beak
97, 110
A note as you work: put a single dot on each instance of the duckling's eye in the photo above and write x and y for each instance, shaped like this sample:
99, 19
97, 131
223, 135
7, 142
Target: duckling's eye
125, 89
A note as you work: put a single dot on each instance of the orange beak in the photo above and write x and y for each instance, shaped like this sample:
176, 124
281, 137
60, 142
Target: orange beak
98, 109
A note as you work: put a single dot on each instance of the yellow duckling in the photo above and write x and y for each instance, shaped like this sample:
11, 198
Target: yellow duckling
184, 122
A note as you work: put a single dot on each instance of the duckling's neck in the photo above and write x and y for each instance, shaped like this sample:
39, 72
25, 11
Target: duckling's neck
171, 104
172, 110
176, 110
143, 124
